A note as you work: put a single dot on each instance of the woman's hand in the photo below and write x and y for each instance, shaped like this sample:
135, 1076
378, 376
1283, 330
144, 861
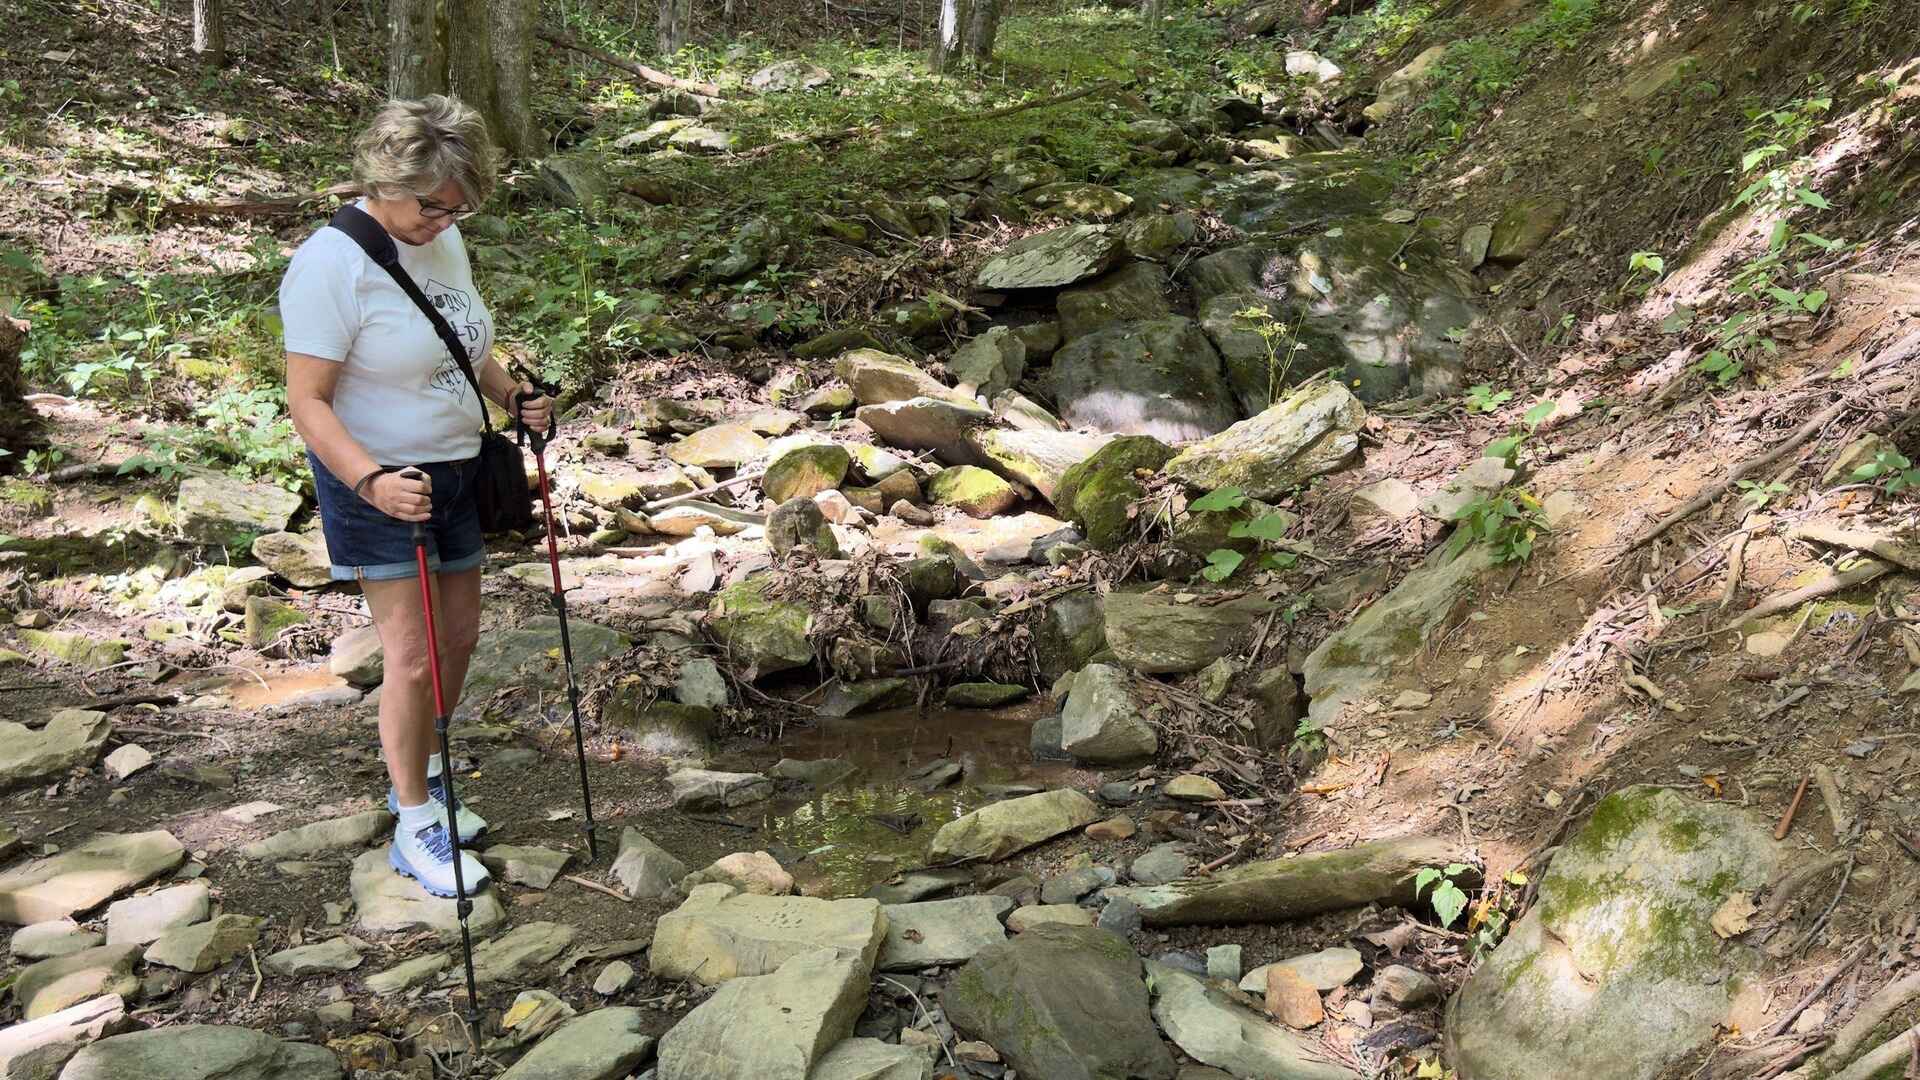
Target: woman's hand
531, 408
405, 495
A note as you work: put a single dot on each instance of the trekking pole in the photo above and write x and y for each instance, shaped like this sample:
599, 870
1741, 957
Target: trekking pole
539, 440
463, 906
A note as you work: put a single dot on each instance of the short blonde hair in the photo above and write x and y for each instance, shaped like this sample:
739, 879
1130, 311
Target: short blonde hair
413, 147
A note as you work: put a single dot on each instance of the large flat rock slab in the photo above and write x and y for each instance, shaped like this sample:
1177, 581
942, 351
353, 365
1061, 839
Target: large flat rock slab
71, 739
336, 834
769, 1027
606, 1044
720, 933
85, 876
938, 932
1000, 829
1276, 889
1213, 1029
202, 1052
389, 903
38, 1049
1053, 258
1617, 973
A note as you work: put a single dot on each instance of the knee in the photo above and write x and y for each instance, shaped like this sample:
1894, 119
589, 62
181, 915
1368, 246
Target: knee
407, 663
461, 638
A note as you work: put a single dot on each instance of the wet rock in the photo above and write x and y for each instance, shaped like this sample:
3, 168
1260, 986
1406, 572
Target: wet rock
1154, 634
606, 1044
1061, 1002
1325, 970
201, 1052
1211, 1028
919, 885
55, 937
704, 789
1159, 865
336, 834
523, 656
926, 423
723, 446
977, 492
769, 1027
1160, 377
1038, 459
701, 685
720, 933
205, 946
1353, 662
991, 363
38, 1049
1096, 493
941, 932
86, 875
1313, 432
869, 695
1024, 919
71, 739
879, 378
520, 864
138, 920
871, 1059
1044, 740
333, 954
644, 869
1524, 229
799, 523
1275, 889
1620, 947
50, 986
385, 902
753, 872
1051, 259
764, 634
984, 695
301, 558
996, 831
1133, 293
805, 471
520, 952
1102, 722
667, 728
220, 509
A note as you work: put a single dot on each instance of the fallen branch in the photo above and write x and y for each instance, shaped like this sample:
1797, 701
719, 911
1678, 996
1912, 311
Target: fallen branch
631, 67
599, 888
1780, 1026
1830, 794
1866, 571
1736, 567
828, 138
712, 489
1786, 819
284, 206
1833, 534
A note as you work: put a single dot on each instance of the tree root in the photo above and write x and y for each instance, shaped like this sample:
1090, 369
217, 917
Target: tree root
1854, 1034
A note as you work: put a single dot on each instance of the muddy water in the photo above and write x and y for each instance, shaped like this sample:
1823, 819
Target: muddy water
863, 830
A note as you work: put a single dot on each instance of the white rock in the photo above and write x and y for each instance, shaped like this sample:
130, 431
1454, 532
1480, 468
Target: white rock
127, 760
140, 920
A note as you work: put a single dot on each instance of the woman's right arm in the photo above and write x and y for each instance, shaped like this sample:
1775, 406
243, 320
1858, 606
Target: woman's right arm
310, 385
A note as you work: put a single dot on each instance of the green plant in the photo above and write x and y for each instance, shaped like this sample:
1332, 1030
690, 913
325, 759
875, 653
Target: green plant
1273, 335
1891, 469
1508, 521
1484, 399
1448, 898
1487, 924
1650, 263
1507, 447
247, 432
1308, 739
1757, 494
1265, 529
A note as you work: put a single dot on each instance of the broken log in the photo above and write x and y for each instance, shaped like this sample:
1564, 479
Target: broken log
1866, 541
632, 67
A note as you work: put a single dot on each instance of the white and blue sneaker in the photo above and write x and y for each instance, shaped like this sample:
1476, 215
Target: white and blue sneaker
472, 825
426, 856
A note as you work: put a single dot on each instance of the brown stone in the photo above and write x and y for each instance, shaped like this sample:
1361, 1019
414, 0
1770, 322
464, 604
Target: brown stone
1114, 828
1291, 1000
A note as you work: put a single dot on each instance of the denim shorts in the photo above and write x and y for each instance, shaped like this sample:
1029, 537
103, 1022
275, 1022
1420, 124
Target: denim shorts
364, 544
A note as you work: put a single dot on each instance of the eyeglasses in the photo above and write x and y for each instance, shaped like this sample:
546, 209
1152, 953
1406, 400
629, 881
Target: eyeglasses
433, 211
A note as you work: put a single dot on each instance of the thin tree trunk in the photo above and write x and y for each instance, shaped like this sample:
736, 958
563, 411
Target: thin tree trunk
949, 43
512, 29
676, 25
210, 32
417, 61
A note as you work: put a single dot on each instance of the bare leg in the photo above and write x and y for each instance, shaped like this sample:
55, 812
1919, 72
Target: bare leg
406, 694
458, 604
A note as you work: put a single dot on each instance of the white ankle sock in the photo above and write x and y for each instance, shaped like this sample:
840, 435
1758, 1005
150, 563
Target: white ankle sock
425, 816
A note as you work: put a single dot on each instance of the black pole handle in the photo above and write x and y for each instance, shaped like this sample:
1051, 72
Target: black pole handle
541, 388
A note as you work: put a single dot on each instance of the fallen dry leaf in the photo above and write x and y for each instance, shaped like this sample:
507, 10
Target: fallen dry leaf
1733, 917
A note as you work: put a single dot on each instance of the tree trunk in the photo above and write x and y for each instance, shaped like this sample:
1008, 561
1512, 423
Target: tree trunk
470, 71
19, 425
417, 62
676, 25
981, 30
949, 43
512, 30
210, 32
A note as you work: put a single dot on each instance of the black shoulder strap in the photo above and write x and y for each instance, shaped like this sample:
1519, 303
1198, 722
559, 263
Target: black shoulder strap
373, 240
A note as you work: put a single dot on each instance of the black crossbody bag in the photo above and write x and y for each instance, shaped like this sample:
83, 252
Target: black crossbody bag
506, 503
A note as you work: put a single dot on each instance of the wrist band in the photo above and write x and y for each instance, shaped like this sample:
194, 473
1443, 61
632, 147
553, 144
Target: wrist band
362, 482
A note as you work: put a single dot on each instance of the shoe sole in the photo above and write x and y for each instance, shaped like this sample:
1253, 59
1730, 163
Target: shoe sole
405, 869
393, 807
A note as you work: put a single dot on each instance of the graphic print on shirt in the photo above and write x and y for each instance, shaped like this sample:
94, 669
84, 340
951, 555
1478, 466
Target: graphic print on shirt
456, 306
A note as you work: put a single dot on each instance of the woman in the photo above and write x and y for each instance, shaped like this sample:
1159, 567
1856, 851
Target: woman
372, 389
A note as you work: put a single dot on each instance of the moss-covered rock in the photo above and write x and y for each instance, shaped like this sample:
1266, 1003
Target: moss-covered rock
1313, 431
1135, 292
1262, 367
993, 362
979, 493
871, 695
1096, 493
929, 578
218, 509
805, 471
722, 446
1080, 202
1154, 634
1620, 950
1158, 236
798, 523
878, 378
267, 618
656, 724
1524, 229
1275, 196
1159, 377
1051, 259
765, 634
1038, 459
984, 695
1292, 888
1070, 635
80, 650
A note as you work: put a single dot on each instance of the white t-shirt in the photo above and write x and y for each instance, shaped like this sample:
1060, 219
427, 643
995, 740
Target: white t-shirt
400, 396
